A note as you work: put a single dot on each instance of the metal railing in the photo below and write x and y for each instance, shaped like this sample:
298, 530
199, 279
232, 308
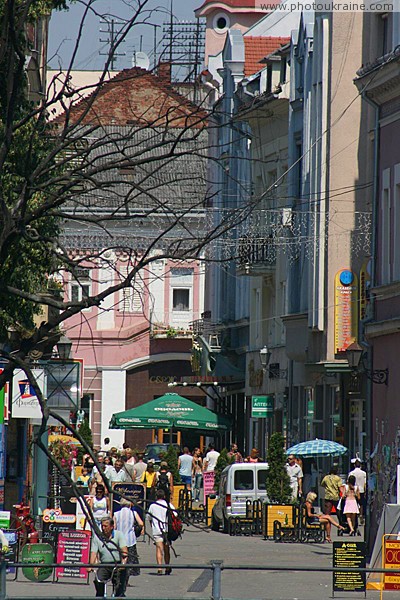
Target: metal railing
216, 567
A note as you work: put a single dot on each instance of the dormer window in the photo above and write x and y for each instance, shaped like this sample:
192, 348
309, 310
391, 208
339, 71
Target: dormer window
221, 22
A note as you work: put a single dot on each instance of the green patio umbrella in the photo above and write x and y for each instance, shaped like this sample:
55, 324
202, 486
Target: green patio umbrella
170, 411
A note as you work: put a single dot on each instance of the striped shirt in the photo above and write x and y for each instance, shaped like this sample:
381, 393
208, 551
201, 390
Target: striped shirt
124, 521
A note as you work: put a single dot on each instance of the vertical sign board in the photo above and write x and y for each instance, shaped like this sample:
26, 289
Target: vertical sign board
208, 484
73, 547
12, 554
262, 406
353, 555
346, 310
391, 558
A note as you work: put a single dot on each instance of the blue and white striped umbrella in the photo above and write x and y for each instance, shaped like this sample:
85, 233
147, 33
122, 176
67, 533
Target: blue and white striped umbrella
314, 448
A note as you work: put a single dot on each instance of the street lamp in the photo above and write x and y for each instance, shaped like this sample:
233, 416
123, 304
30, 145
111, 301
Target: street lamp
274, 371
354, 355
64, 346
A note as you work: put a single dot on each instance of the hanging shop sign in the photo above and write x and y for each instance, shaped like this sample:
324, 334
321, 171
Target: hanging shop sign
346, 310
262, 406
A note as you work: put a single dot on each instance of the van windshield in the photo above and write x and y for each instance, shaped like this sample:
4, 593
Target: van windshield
244, 480
261, 479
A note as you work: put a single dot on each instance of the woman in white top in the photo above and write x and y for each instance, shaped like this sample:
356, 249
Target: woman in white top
100, 505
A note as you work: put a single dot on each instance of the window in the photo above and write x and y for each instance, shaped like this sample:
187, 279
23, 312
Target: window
261, 479
244, 480
180, 299
80, 287
132, 296
221, 22
283, 69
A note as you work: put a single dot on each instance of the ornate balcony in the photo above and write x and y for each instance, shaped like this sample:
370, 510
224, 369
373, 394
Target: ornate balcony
256, 255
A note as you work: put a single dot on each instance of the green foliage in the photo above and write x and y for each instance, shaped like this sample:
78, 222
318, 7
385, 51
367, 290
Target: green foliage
86, 433
28, 259
30, 252
171, 457
223, 461
277, 484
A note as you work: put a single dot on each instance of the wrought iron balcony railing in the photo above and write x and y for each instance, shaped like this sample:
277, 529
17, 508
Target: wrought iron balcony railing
256, 255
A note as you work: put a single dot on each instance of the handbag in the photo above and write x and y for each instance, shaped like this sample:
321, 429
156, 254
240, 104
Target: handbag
136, 527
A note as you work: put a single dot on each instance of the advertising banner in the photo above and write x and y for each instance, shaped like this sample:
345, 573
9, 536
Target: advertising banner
349, 554
346, 310
73, 547
25, 404
391, 557
37, 553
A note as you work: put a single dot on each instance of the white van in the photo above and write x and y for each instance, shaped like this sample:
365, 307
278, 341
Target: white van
239, 482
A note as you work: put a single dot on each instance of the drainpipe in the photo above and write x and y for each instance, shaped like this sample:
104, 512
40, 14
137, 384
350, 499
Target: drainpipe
375, 203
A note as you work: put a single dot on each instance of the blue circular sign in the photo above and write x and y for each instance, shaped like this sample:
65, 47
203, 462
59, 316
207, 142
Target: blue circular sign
346, 277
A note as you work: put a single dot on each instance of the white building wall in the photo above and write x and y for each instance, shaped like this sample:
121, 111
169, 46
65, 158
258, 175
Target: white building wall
112, 401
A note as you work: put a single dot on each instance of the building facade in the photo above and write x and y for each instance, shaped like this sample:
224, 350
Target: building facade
379, 85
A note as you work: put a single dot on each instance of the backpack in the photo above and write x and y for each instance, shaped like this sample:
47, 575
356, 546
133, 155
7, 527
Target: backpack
175, 526
163, 483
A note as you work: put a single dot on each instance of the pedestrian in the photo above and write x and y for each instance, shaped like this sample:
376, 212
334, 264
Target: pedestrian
100, 504
234, 453
98, 473
112, 550
185, 467
106, 445
83, 479
254, 456
125, 520
158, 513
139, 468
351, 497
117, 473
296, 477
211, 458
129, 458
326, 520
361, 482
165, 480
149, 479
197, 474
332, 484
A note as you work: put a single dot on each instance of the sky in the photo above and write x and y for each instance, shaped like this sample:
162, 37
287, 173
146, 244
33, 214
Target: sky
64, 27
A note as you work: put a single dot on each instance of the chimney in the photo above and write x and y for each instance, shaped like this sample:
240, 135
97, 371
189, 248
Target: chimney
164, 71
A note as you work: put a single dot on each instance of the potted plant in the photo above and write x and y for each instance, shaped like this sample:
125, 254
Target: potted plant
279, 506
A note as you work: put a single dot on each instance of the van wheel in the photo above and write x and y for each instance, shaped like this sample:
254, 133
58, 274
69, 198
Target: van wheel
214, 524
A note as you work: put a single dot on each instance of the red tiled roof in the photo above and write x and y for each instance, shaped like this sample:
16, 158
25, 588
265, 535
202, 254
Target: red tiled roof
136, 96
257, 48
